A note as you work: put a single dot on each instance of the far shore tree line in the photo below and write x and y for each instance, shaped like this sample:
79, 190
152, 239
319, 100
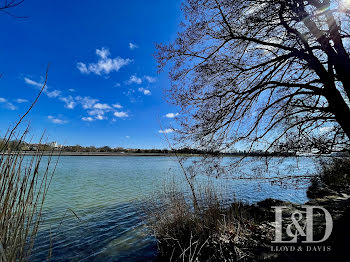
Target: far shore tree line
280, 150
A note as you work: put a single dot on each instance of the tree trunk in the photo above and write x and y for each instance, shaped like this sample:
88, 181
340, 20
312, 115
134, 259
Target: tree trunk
340, 110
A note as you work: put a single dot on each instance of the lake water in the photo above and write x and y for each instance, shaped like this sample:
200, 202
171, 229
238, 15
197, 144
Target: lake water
93, 211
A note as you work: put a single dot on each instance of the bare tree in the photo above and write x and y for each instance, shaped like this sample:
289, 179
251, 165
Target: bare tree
5, 5
262, 72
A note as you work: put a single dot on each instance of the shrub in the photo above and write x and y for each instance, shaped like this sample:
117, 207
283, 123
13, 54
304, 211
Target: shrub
336, 172
214, 231
333, 172
333, 177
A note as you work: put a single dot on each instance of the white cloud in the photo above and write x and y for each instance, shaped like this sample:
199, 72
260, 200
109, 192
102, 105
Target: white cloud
88, 119
69, 101
121, 114
100, 117
117, 85
71, 90
103, 53
93, 107
57, 120
118, 106
145, 91
128, 137
171, 115
99, 110
134, 80
133, 46
102, 106
96, 112
8, 105
83, 68
32, 82
166, 131
150, 79
104, 65
53, 93
21, 100
38, 85
86, 102
99, 114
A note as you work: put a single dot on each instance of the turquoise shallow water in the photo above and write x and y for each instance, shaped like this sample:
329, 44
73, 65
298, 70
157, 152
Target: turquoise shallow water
106, 194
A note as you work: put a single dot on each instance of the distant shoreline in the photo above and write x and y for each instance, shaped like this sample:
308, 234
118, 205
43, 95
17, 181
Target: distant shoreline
66, 153
57, 153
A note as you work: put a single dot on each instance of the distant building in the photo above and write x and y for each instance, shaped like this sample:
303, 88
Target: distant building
54, 144
315, 151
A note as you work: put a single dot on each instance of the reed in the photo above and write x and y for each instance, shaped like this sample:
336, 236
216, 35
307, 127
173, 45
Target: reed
215, 230
24, 184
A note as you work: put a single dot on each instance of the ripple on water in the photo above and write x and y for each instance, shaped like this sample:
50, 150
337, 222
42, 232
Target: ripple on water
101, 191
113, 234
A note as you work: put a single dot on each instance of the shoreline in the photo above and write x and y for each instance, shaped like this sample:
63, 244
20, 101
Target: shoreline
66, 153
57, 153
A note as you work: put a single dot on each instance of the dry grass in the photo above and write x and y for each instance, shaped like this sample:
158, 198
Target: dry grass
214, 231
23, 187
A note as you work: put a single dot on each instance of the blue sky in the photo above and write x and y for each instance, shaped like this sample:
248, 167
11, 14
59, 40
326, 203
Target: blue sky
103, 86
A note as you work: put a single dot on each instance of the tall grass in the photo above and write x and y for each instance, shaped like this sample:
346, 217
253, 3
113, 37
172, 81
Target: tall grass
24, 184
22, 193
199, 224
214, 230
